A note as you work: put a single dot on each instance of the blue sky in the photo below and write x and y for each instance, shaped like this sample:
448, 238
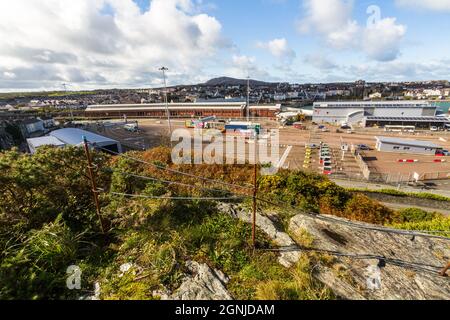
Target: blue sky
122, 43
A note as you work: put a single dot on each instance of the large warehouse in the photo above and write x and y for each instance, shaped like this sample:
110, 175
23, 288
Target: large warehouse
380, 113
181, 110
74, 137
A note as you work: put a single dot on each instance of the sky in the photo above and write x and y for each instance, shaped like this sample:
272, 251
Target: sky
90, 44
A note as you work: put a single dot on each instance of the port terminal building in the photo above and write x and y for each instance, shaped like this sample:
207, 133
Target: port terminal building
421, 114
182, 110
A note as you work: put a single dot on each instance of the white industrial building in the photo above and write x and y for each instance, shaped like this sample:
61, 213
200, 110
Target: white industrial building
381, 113
74, 137
389, 144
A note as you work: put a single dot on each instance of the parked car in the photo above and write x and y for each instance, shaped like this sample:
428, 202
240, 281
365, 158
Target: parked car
434, 128
312, 146
363, 147
443, 153
345, 127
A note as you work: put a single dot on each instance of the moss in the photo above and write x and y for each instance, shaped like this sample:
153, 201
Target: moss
303, 238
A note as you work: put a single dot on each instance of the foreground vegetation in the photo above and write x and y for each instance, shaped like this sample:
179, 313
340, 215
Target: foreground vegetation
48, 223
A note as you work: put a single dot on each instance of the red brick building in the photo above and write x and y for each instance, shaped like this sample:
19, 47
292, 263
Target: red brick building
181, 110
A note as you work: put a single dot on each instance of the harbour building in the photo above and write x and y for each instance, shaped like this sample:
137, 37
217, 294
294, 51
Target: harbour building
421, 114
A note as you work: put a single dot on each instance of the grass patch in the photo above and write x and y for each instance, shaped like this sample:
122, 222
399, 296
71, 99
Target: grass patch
397, 193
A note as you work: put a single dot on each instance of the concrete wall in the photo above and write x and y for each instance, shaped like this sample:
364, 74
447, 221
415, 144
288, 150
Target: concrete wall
398, 112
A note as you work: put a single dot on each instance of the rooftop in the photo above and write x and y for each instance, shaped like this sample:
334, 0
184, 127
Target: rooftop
74, 137
45, 141
408, 142
379, 104
410, 119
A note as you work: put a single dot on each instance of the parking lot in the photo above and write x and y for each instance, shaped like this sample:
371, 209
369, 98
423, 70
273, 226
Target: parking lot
153, 133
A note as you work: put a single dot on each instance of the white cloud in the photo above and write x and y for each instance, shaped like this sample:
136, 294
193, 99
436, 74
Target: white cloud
325, 16
435, 5
400, 71
243, 66
381, 41
280, 49
346, 36
108, 41
319, 61
332, 19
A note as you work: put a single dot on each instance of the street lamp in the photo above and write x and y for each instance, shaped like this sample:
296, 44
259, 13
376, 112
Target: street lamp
164, 69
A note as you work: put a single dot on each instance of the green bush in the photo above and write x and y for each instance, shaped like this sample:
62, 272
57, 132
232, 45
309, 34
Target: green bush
397, 193
415, 215
437, 224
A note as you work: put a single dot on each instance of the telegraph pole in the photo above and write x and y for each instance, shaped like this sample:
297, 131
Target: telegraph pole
93, 183
255, 191
164, 69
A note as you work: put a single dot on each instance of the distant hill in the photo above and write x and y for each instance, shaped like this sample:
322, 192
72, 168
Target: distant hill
227, 81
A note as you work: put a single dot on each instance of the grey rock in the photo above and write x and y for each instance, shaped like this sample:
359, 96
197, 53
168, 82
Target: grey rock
287, 258
203, 283
413, 275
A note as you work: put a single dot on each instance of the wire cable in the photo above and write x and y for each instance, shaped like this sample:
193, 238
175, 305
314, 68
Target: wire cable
173, 170
434, 270
172, 198
356, 225
164, 181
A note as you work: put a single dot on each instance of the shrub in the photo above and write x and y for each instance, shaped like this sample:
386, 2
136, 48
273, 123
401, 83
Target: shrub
437, 224
362, 208
415, 215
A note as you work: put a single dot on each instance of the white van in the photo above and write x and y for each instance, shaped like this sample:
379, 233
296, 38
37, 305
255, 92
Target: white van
132, 127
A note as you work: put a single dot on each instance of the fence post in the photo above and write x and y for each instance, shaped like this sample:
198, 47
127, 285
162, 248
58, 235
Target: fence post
93, 183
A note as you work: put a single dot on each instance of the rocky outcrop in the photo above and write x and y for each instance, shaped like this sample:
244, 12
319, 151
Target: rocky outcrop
203, 283
359, 263
377, 265
266, 224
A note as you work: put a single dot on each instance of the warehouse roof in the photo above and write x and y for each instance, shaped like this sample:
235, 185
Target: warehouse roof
45, 141
378, 104
74, 137
162, 106
407, 142
409, 119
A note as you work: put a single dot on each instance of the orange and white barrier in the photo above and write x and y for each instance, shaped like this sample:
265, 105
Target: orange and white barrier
407, 160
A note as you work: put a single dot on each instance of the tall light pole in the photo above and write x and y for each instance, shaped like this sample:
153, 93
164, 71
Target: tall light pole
248, 98
164, 69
